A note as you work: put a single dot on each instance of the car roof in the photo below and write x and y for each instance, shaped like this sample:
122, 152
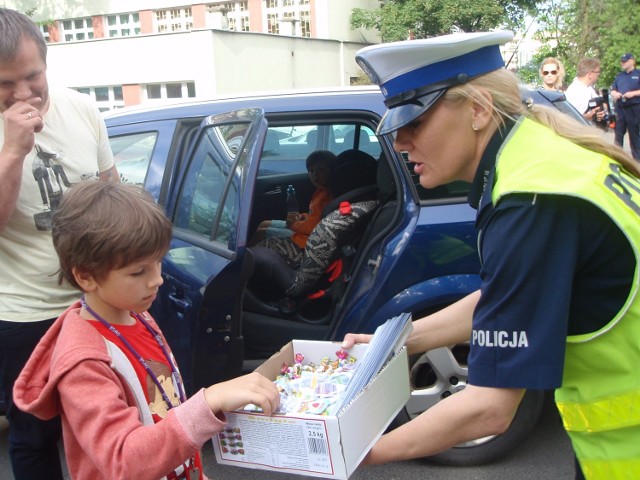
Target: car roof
357, 98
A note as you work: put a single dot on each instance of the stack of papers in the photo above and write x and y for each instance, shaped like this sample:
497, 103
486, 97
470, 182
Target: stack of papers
388, 339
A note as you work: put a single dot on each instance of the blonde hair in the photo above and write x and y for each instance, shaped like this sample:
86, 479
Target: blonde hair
505, 103
561, 72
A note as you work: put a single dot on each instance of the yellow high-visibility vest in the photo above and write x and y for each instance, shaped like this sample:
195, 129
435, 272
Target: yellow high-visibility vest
599, 400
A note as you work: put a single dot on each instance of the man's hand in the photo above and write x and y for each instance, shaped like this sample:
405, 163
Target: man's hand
596, 112
21, 122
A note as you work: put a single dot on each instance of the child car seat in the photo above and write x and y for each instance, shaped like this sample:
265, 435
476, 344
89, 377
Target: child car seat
353, 183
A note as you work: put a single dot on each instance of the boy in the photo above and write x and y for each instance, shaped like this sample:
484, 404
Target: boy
319, 165
289, 237
104, 365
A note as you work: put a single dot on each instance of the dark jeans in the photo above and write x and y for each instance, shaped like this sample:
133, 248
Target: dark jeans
628, 119
33, 443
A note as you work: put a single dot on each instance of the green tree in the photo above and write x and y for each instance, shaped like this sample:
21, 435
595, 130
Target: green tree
603, 29
402, 19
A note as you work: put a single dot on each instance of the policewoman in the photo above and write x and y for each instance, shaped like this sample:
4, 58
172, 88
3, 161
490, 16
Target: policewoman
558, 218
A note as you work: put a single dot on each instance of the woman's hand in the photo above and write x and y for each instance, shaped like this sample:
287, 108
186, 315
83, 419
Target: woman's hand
350, 339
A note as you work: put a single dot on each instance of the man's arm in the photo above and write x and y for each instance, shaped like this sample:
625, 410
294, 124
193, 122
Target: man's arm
21, 122
110, 175
474, 412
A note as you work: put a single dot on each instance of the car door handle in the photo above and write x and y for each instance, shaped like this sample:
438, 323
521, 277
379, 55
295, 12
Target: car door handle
180, 304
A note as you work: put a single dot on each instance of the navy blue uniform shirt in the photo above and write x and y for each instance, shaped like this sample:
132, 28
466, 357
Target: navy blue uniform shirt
551, 266
626, 82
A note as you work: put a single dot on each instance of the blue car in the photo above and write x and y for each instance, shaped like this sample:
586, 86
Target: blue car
221, 167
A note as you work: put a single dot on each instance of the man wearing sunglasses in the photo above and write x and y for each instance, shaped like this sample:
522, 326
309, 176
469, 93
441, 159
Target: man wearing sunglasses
626, 91
581, 89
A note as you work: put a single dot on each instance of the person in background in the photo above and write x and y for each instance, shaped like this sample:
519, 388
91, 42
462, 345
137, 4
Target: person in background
49, 140
552, 74
559, 303
581, 89
626, 92
291, 235
104, 365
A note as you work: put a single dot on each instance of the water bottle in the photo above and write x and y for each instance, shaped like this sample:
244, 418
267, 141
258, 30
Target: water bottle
292, 200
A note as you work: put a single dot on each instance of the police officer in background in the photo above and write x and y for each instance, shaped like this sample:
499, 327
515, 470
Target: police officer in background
558, 307
626, 91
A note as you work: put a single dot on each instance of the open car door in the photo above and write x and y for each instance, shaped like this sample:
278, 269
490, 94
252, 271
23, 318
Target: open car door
206, 267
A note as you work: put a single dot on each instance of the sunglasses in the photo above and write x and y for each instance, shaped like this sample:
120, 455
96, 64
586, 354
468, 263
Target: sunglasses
552, 72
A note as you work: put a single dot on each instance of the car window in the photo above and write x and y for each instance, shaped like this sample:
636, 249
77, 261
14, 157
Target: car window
359, 137
132, 154
210, 171
286, 147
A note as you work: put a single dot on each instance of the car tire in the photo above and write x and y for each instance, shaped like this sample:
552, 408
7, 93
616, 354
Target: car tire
442, 372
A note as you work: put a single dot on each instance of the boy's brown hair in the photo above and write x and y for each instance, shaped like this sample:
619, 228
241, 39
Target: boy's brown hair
102, 226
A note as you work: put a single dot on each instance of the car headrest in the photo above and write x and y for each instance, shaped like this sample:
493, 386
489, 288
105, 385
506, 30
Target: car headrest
353, 169
384, 177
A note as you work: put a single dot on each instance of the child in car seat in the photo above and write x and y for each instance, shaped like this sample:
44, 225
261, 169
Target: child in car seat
104, 365
295, 230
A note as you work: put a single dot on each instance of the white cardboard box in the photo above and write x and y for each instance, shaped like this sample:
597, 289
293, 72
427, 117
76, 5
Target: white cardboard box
315, 445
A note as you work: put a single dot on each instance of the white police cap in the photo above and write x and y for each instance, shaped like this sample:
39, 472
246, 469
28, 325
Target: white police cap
414, 74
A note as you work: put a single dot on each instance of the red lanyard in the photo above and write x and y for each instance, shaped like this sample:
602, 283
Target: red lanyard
175, 374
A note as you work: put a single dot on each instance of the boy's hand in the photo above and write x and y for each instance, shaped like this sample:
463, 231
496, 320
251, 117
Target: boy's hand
233, 394
350, 339
292, 217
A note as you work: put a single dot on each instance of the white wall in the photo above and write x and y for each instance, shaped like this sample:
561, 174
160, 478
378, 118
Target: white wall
220, 62
144, 59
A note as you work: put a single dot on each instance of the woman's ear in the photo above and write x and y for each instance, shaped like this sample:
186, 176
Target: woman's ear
84, 279
481, 114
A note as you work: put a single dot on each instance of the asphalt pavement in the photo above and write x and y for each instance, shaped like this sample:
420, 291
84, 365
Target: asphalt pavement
545, 454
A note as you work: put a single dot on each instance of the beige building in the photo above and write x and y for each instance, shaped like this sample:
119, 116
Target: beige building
126, 52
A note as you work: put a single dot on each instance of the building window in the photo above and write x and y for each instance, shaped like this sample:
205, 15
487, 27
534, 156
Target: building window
296, 13
44, 29
305, 24
77, 29
174, 20
169, 90
237, 14
107, 97
123, 25
272, 23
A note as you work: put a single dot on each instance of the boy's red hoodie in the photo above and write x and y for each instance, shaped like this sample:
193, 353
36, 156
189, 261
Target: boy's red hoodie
70, 374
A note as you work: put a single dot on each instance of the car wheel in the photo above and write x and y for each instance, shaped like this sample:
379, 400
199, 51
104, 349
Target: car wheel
442, 372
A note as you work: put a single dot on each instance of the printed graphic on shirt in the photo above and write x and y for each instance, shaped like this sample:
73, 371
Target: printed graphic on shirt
51, 178
157, 405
